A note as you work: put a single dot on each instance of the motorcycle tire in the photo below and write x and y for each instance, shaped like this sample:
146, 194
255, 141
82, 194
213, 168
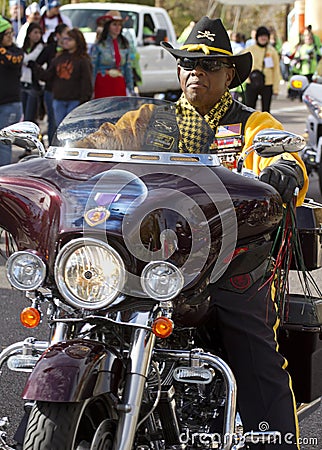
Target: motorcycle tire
70, 426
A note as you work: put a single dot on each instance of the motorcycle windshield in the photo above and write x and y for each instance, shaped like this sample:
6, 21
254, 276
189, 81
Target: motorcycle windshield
131, 124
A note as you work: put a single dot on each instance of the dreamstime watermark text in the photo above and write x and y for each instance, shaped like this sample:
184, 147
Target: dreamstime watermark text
264, 435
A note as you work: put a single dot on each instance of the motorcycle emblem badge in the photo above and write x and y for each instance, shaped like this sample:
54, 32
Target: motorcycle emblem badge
101, 213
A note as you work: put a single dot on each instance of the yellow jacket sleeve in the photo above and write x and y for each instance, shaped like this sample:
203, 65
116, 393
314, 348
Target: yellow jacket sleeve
260, 121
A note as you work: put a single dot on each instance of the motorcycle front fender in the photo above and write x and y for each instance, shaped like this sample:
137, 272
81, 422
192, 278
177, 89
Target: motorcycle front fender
73, 371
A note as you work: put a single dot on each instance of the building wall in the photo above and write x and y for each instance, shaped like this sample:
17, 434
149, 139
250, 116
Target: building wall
313, 15
304, 13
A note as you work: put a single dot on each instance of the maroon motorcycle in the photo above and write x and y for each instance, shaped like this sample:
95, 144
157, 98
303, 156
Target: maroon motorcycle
119, 240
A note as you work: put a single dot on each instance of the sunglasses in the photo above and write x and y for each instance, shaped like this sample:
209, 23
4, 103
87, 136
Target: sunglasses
209, 65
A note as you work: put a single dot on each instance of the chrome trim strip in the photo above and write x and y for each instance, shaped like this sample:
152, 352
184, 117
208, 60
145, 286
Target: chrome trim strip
133, 157
305, 409
140, 354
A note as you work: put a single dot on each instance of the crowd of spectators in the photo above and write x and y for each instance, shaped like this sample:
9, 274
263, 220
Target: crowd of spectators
57, 72
301, 58
54, 71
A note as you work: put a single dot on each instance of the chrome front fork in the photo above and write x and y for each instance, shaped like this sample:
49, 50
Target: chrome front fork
140, 356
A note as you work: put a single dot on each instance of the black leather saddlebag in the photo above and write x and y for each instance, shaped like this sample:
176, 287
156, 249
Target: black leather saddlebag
300, 340
309, 224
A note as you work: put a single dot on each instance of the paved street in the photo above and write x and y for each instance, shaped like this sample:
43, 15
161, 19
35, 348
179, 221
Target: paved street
292, 115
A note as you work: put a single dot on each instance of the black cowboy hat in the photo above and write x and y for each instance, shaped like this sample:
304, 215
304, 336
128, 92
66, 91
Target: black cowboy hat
209, 39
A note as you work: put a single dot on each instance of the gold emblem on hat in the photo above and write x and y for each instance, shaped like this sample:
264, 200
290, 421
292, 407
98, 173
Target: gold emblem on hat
207, 35
96, 216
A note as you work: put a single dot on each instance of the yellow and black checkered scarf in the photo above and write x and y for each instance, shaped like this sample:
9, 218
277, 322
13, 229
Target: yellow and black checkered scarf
195, 135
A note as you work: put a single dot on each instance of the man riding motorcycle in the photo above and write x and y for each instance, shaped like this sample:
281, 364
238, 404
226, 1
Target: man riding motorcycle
244, 314
229, 118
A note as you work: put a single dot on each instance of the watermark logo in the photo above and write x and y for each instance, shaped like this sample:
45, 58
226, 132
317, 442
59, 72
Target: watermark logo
262, 436
263, 426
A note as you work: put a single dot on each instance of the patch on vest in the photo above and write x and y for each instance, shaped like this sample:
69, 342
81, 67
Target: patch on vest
227, 144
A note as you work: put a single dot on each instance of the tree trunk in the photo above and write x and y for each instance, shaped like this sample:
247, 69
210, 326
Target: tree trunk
160, 3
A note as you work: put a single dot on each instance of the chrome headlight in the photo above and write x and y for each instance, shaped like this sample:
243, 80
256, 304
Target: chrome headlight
25, 270
161, 280
89, 273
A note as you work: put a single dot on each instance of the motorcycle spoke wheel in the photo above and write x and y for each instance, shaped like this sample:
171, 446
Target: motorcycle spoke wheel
69, 426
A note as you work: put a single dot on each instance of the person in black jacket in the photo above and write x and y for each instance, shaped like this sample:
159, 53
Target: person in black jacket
11, 58
244, 312
53, 47
30, 87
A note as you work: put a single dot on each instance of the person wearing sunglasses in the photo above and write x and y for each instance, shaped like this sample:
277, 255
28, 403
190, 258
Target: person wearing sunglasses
207, 70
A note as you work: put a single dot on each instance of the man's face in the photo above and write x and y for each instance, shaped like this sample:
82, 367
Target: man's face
52, 12
203, 88
263, 39
34, 17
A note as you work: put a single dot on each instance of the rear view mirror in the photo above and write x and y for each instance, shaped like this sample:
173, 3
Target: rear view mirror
271, 142
23, 134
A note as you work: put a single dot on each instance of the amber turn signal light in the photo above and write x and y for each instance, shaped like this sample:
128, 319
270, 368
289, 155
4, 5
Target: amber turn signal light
297, 84
162, 327
30, 317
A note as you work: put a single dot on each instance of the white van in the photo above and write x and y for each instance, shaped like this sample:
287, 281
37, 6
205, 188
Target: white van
158, 67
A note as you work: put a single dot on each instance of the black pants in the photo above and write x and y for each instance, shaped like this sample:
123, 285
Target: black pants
252, 93
246, 323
